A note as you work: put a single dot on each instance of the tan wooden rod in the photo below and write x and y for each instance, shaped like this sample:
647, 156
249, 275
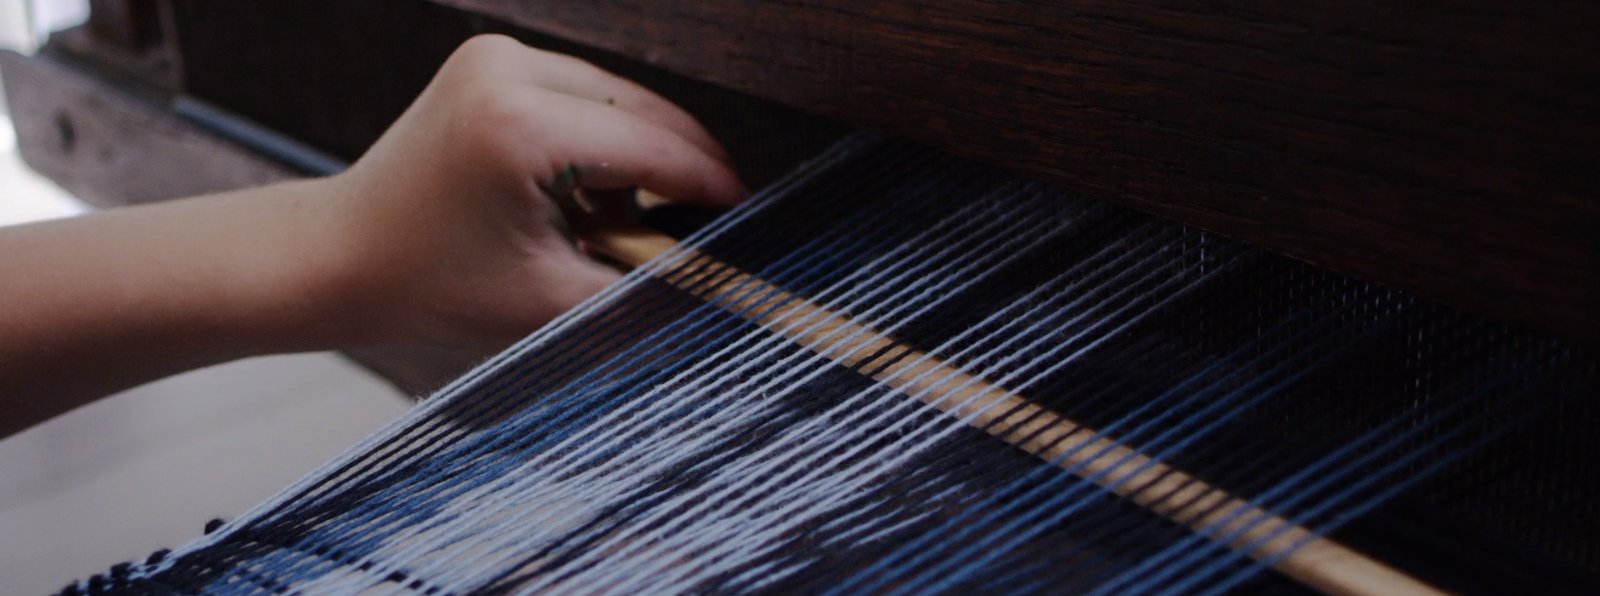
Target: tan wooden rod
1318, 562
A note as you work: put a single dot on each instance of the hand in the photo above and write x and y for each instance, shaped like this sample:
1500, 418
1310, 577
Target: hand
439, 242
450, 219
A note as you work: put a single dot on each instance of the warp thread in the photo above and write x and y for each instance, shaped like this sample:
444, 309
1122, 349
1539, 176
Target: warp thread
656, 441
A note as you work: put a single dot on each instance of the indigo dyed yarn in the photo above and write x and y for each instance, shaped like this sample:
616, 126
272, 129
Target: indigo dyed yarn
690, 430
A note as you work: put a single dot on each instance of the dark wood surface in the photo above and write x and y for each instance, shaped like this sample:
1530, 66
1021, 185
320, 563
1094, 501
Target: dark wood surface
1451, 148
335, 75
111, 145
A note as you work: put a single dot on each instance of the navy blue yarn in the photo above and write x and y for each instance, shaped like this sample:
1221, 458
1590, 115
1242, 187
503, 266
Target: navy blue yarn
706, 310
957, 527
597, 406
945, 522
848, 147
1342, 498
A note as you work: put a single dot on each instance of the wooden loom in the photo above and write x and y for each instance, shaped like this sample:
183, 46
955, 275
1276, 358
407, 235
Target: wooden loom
1444, 150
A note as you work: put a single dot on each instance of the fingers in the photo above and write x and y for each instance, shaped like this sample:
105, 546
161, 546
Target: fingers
568, 75
571, 76
600, 131
604, 147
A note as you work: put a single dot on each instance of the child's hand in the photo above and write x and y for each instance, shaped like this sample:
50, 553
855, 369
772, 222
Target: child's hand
449, 217
441, 236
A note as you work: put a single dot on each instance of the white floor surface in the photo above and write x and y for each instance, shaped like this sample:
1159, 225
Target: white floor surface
147, 468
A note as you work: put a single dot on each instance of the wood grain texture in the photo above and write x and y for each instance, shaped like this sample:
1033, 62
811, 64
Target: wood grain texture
335, 75
1448, 148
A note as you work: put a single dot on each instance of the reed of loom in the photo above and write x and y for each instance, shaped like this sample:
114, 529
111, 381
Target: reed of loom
1295, 551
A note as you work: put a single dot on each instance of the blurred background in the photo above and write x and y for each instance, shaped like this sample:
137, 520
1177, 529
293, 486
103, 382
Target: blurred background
145, 469
24, 194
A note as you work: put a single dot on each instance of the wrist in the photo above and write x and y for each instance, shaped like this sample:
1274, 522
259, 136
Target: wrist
315, 288
276, 271
118, 298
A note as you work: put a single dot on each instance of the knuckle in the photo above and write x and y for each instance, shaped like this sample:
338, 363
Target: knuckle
497, 124
486, 45
480, 53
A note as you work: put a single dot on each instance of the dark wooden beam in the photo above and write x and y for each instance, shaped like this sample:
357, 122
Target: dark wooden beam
133, 25
1451, 148
114, 145
334, 75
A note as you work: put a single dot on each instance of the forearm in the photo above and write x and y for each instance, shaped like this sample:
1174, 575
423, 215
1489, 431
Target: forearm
95, 304
442, 233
